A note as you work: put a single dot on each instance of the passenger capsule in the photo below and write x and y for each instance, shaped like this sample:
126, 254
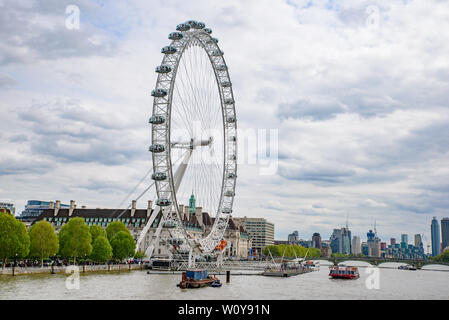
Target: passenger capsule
192, 23
157, 120
226, 210
222, 67
231, 175
226, 84
230, 119
159, 93
159, 176
215, 40
228, 101
163, 69
183, 27
156, 148
163, 203
216, 53
208, 30
175, 36
168, 50
200, 25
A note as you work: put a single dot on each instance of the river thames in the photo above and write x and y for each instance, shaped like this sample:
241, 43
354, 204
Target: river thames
392, 284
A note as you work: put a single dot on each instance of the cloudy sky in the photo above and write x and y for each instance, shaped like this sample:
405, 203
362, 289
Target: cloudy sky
357, 92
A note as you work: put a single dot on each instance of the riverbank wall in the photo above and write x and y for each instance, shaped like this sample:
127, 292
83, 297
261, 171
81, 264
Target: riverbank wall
16, 271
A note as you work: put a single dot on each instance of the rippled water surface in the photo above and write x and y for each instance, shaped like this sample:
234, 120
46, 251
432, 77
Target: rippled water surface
393, 284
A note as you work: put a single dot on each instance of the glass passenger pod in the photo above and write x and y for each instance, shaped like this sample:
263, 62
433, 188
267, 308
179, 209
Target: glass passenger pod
208, 30
226, 210
226, 84
159, 93
163, 203
157, 120
229, 193
216, 53
159, 176
192, 23
183, 27
230, 119
221, 67
175, 36
199, 25
231, 175
228, 101
168, 50
156, 148
163, 69
215, 40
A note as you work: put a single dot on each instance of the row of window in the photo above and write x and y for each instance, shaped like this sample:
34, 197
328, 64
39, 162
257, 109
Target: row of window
100, 220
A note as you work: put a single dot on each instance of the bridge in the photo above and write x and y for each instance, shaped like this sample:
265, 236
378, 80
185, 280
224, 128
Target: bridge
375, 261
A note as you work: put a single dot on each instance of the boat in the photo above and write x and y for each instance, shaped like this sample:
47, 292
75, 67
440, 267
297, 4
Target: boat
343, 272
406, 267
216, 284
285, 269
196, 279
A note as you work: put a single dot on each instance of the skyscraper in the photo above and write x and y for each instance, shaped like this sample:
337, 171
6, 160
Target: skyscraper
393, 242
336, 241
445, 232
404, 239
293, 237
435, 234
356, 246
316, 240
418, 240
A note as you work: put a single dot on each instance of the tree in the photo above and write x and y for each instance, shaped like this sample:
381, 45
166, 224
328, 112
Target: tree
115, 227
102, 250
123, 245
139, 255
14, 238
43, 240
96, 231
75, 239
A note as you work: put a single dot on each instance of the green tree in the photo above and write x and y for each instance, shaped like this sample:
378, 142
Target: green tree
43, 240
115, 227
123, 245
96, 231
139, 255
102, 250
14, 238
75, 239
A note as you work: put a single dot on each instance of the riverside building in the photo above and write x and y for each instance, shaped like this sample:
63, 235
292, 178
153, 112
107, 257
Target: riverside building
260, 231
197, 222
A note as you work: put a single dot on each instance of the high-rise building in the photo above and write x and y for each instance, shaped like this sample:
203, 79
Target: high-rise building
404, 239
336, 241
418, 240
346, 240
316, 240
356, 245
293, 237
34, 208
261, 232
445, 232
393, 242
370, 236
435, 234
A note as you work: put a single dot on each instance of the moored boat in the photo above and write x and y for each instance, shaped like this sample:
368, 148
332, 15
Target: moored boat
344, 272
196, 279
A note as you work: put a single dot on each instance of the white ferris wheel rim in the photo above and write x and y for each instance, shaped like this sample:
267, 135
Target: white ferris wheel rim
188, 33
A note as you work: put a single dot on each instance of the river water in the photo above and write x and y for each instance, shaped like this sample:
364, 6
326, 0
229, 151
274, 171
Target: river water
388, 283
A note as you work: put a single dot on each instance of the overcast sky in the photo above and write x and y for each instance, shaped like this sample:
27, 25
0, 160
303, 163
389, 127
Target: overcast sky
357, 91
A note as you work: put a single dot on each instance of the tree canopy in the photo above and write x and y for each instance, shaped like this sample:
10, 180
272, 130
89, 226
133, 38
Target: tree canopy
115, 227
14, 238
123, 245
75, 239
290, 250
96, 231
102, 250
43, 240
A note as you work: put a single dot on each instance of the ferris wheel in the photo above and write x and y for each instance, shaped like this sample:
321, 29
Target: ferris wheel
194, 139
